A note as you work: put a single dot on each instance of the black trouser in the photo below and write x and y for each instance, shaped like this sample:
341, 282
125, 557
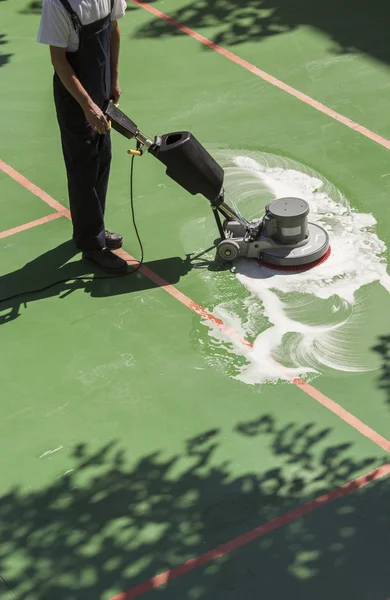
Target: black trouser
87, 158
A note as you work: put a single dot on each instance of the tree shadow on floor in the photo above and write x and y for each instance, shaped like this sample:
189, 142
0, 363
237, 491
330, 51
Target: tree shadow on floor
383, 349
108, 524
4, 58
56, 265
353, 26
131, 6
33, 8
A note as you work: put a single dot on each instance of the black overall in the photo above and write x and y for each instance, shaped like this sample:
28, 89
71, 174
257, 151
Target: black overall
87, 154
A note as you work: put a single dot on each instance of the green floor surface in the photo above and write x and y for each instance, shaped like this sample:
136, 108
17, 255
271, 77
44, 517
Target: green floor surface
127, 445
336, 53
18, 206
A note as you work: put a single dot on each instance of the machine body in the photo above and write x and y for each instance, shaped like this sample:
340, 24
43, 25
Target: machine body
277, 240
282, 238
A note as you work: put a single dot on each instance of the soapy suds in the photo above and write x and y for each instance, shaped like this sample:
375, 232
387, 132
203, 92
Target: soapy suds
306, 321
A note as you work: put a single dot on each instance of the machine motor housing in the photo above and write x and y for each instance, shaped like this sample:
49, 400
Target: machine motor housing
282, 237
189, 164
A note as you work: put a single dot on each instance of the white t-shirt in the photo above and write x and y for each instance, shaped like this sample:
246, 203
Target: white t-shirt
56, 27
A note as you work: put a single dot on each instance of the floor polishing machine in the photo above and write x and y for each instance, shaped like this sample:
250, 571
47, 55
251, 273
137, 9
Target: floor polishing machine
282, 239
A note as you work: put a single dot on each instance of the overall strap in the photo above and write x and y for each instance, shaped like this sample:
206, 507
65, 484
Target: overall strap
73, 15
112, 5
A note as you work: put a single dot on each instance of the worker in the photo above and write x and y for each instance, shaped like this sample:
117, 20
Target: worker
84, 41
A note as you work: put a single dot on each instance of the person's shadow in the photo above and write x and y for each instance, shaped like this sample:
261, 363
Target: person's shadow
54, 273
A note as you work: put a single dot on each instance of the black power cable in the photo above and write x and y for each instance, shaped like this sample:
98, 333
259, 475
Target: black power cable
133, 218
89, 278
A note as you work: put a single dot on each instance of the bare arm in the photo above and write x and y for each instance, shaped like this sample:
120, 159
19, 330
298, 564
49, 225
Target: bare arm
65, 72
114, 60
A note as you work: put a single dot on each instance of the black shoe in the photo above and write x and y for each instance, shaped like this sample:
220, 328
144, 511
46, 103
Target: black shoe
113, 240
106, 260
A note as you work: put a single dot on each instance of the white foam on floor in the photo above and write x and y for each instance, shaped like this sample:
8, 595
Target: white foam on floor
325, 334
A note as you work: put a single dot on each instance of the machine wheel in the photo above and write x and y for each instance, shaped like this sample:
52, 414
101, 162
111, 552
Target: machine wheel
228, 250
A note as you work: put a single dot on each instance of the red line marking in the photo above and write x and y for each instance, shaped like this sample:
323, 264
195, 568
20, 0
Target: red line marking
175, 293
34, 189
250, 536
31, 224
375, 137
343, 414
234, 335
